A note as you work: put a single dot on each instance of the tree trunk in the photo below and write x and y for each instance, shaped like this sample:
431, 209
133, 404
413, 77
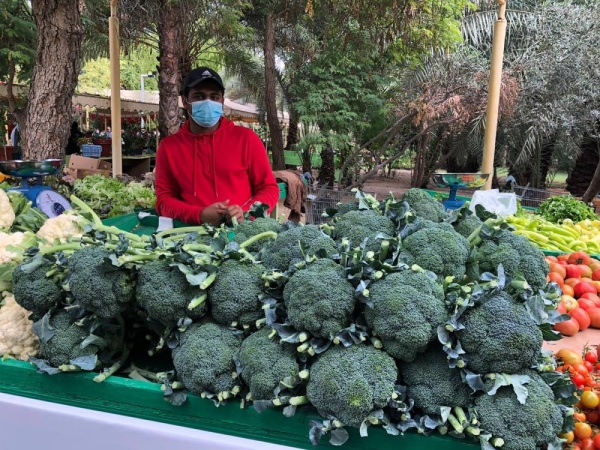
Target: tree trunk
169, 75
270, 94
327, 171
49, 110
292, 136
585, 167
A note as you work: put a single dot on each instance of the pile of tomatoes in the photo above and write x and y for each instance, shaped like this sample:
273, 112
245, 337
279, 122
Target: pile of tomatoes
584, 370
578, 275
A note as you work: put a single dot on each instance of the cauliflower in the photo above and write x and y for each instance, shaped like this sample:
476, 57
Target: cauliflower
12, 245
60, 227
16, 335
7, 215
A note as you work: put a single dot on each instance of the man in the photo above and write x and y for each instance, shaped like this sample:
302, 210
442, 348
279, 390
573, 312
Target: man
211, 170
15, 139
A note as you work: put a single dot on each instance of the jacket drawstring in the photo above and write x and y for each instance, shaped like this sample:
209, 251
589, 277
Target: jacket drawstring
195, 156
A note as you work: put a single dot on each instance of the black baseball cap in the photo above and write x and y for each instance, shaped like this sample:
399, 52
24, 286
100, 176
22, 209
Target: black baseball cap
199, 75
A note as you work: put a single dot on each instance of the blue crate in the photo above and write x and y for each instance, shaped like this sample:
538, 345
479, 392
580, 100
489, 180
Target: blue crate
91, 151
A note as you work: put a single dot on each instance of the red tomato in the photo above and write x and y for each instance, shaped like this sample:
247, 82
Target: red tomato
578, 379
593, 416
584, 288
579, 257
573, 271
594, 314
596, 275
598, 367
561, 308
585, 303
558, 269
597, 441
551, 258
582, 318
589, 366
569, 302
587, 444
580, 368
568, 327
591, 356
593, 297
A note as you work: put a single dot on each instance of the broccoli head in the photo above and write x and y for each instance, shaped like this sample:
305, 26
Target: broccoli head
204, 357
356, 226
234, 296
35, 291
522, 426
343, 208
424, 205
291, 246
65, 345
249, 228
517, 256
265, 362
165, 293
350, 382
98, 286
405, 310
431, 383
499, 336
467, 225
438, 248
319, 299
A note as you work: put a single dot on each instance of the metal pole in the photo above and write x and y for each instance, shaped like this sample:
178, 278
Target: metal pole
142, 85
115, 89
491, 116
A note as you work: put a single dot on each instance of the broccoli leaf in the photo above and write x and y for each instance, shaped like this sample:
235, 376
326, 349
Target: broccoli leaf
43, 329
518, 383
43, 366
87, 362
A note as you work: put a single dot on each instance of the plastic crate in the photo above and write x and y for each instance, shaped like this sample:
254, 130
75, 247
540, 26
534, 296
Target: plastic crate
319, 199
91, 151
532, 197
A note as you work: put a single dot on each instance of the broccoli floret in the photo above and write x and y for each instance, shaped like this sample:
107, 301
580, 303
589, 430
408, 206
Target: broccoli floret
517, 256
96, 285
204, 357
350, 382
467, 225
499, 336
319, 299
343, 208
522, 426
356, 226
405, 311
265, 362
424, 205
291, 246
34, 291
165, 293
233, 297
438, 248
65, 345
249, 228
431, 383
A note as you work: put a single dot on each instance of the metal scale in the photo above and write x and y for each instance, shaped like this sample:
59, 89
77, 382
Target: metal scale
50, 202
456, 181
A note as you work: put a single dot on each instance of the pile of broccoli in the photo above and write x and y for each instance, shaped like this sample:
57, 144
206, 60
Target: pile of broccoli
429, 334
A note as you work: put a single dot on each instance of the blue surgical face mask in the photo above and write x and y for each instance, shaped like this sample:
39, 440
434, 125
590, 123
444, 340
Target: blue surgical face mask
206, 113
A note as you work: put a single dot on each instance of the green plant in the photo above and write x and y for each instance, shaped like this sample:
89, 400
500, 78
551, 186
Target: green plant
556, 209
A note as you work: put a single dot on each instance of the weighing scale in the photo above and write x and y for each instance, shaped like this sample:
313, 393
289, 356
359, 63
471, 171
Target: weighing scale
456, 181
50, 202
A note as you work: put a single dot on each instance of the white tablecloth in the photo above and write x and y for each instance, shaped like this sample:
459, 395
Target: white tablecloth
27, 424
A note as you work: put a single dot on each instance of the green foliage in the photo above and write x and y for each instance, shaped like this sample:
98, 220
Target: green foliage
349, 383
204, 357
516, 340
405, 310
234, 296
319, 299
265, 362
19, 39
561, 207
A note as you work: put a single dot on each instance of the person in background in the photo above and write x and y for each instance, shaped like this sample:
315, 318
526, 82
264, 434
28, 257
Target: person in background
15, 139
211, 170
108, 133
73, 142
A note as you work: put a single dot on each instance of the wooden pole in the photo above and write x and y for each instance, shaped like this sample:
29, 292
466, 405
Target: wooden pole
115, 89
491, 116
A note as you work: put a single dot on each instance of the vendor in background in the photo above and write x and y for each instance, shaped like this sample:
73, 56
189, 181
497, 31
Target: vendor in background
73, 142
211, 170
15, 140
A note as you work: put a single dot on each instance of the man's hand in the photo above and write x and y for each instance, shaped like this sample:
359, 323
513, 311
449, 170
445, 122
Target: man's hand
220, 212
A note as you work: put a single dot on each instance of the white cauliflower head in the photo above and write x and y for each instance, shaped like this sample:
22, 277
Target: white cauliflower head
17, 338
11, 245
61, 227
7, 214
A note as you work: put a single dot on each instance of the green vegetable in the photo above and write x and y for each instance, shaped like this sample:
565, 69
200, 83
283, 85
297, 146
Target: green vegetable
358, 226
350, 382
424, 205
34, 290
561, 207
249, 228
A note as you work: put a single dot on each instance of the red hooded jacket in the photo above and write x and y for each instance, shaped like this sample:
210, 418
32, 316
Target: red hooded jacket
194, 171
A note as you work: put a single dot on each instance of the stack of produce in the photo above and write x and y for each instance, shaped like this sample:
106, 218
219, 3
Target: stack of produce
394, 314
